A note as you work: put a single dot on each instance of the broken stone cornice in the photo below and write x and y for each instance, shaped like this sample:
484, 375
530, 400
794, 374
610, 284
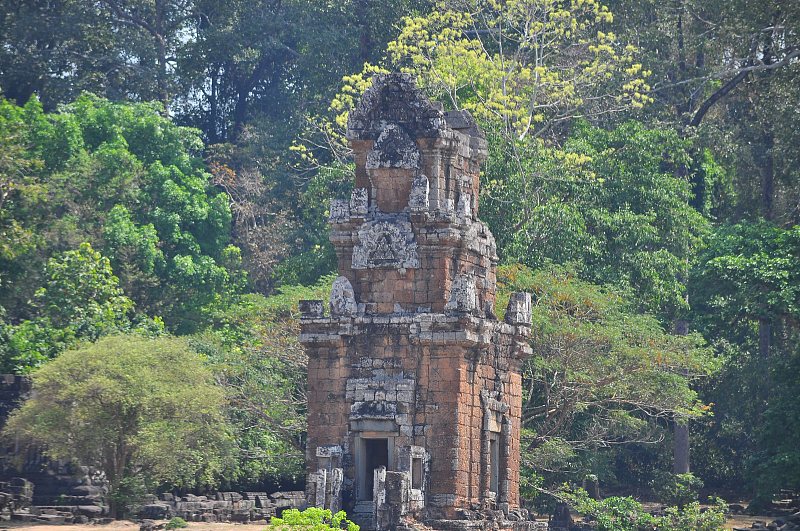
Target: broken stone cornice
394, 98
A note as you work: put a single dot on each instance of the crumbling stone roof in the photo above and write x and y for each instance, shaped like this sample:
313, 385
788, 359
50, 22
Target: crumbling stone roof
395, 98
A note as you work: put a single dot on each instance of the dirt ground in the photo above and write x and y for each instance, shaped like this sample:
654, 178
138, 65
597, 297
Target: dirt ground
125, 525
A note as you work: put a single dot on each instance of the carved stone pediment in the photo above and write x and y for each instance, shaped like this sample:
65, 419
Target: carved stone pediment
394, 98
394, 149
386, 244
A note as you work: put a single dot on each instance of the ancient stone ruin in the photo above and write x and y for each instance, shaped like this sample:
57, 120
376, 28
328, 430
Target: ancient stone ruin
414, 389
233, 507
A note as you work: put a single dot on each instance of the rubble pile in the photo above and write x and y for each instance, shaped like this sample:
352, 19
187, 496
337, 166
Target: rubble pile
223, 506
784, 523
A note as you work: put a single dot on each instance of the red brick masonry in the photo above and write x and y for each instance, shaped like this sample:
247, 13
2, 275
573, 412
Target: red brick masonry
410, 369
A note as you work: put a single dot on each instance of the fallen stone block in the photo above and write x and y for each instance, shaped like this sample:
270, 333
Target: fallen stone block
155, 511
51, 518
92, 511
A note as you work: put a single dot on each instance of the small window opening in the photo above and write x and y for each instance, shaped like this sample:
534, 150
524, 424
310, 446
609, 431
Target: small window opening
494, 462
416, 473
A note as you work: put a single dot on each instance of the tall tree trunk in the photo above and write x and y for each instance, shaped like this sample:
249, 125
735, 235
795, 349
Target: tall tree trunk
365, 37
764, 338
680, 451
767, 170
243, 90
681, 443
213, 136
764, 347
161, 44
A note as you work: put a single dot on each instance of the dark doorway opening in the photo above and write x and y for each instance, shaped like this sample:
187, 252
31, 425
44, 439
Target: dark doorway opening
376, 454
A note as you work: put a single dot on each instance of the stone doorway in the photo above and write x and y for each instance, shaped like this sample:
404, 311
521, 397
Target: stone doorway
373, 453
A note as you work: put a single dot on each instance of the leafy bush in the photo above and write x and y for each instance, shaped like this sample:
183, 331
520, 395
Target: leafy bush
694, 518
677, 489
313, 518
156, 395
612, 514
176, 523
626, 514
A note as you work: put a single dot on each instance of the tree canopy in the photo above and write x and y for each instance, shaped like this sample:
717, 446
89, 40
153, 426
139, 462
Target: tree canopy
141, 410
166, 165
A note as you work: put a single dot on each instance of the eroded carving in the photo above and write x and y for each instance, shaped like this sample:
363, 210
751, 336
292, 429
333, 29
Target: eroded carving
464, 208
463, 297
419, 200
359, 202
343, 298
394, 98
518, 311
393, 149
388, 244
340, 210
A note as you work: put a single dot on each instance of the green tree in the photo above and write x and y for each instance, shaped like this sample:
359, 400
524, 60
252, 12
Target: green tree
602, 374
82, 292
81, 300
748, 271
609, 203
156, 29
129, 181
56, 49
19, 188
254, 351
748, 275
141, 410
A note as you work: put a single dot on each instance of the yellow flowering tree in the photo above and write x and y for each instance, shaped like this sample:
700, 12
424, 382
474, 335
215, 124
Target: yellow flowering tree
522, 65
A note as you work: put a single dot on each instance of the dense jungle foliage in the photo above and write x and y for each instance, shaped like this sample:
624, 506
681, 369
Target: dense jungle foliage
165, 170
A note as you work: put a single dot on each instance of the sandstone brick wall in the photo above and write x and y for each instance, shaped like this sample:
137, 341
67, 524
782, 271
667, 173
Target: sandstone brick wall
411, 350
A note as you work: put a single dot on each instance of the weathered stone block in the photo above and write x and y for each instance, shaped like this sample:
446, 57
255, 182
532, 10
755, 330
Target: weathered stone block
340, 211
462, 296
359, 202
310, 309
343, 299
419, 199
519, 309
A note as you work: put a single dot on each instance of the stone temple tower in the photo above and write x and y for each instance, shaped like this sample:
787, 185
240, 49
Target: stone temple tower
414, 387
